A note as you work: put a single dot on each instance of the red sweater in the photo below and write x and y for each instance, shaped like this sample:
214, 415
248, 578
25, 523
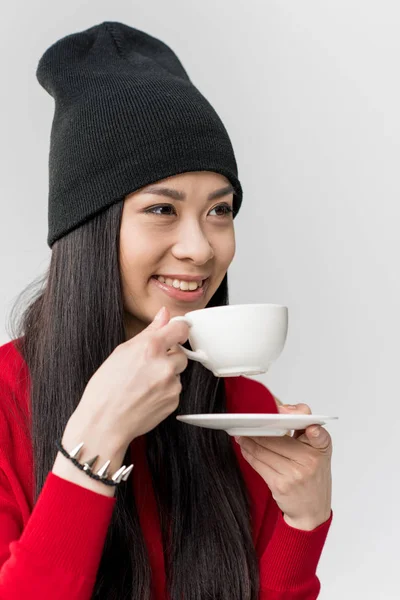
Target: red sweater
51, 551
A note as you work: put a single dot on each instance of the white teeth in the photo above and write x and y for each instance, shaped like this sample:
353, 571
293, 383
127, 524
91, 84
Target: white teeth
183, 285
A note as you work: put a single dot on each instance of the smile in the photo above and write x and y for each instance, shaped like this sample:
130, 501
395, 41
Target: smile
188, 291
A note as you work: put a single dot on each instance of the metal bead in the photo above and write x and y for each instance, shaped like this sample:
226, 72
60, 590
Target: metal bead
87, 466
118, 474
126, 473
75, 452
103, 471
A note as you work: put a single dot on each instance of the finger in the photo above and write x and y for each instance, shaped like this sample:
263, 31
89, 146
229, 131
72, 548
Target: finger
285, 446
175, 332
269, 474
295, 409
277, 462
317, 437
179, 360
287, 409
174, 349
160, 319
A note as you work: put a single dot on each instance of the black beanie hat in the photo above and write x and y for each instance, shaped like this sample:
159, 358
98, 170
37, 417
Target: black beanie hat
126, 115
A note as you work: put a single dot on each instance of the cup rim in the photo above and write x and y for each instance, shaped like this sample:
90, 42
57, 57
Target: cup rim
233, 306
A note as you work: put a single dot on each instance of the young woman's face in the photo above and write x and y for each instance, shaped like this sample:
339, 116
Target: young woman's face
162, 235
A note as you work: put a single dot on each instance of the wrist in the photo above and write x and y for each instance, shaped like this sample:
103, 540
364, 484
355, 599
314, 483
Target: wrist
97, 440
306, 523
96, 443
64, 468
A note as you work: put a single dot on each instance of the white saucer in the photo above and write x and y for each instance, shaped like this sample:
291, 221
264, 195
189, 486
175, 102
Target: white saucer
255, 424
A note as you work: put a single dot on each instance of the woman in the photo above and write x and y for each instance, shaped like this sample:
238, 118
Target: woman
143, 192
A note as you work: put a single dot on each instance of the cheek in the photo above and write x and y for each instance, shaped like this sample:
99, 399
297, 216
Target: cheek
135, 258
224, 251
225, 248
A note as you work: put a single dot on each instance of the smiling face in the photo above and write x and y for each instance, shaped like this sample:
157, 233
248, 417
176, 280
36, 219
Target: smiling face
180, 226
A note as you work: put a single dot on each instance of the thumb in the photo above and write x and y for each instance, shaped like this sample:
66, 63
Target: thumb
161, 319
284, 409
322, 441
296, 409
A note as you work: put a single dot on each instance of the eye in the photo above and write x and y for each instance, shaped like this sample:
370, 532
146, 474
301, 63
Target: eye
227, 210
152, 209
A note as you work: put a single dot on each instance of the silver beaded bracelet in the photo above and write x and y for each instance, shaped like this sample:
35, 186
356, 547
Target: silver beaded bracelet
87, 467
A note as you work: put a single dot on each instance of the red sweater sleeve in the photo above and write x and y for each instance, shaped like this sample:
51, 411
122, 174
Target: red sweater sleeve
51, 550
289, 562
57, 554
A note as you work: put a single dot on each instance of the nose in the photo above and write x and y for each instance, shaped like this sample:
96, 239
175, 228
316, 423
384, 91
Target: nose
193, 244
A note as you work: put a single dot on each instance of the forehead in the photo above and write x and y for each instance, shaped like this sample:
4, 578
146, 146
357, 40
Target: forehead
194, 182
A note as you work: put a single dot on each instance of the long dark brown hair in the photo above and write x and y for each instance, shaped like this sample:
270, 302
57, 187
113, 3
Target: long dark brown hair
69, 326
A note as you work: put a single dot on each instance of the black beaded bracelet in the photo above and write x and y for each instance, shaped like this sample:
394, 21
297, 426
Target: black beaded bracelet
120, 475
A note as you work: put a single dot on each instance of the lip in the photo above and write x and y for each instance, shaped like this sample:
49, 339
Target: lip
177, 294
181, 277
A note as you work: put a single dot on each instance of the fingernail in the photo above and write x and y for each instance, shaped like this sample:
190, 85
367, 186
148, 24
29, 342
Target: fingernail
290, 406
315, 432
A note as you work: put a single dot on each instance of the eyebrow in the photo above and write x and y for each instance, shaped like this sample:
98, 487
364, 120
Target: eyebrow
177, 195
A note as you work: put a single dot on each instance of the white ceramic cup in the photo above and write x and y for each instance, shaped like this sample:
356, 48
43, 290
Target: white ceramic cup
237, 339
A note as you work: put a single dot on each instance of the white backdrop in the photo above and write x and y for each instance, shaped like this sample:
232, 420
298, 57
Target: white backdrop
309, 92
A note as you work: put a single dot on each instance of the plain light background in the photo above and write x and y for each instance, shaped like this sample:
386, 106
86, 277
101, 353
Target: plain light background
309, 92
